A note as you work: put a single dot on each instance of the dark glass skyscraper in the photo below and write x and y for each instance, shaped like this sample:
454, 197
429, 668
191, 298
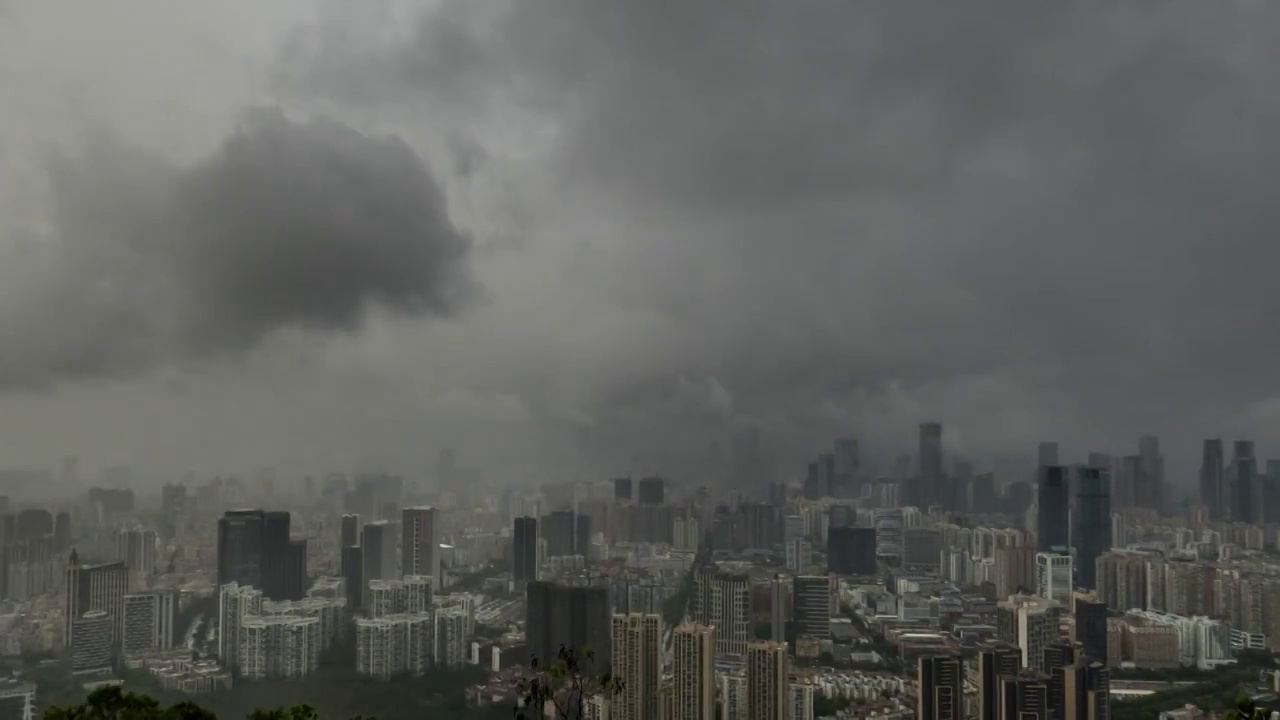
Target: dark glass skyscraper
651, 491
1052, 499
1212, 487
1091, 627
931, 489
995, 662
1092, 524
851, 550
571, 617
940, 695
622, 489
524, 550
1244, 483
254, 548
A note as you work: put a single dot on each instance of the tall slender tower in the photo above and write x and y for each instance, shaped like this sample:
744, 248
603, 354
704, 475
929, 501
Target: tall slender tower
637, 663
96, 588
931, 478
1212, 486
940, 695
693, 650
1053, 499
1092, 524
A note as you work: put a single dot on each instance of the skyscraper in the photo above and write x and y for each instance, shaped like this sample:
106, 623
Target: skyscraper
353, 575
1149, 491
651, 491
575, 618
137, 550
1087, 691
1054, 578
851, 550
766, 681
1031, 623
1091, 626
931, 477
811, 596
1024, 696
148, 621
254, 548
1244, 482
1271, 493
1053, 499
1047, 454
350, 530
994, 662
777, 609
723, 600
524, 550
1213, 490
420, 543
377, 554
693, 655
1092, 524
92, 588
940, 690
637, 663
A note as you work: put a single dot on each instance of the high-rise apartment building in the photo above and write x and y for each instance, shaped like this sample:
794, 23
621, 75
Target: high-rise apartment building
1092, 524
1052, 499
148, 621
92, 643
723, 600
137, 550
524, 550
279, 647
940, 688
693, 654
236, 604
17, 700
800, 699
1031, 623
922, 547
571, 617
1015, 569
637, 662
766, 681
409, 595
420, 543
96, 587
395, 645
1086, 691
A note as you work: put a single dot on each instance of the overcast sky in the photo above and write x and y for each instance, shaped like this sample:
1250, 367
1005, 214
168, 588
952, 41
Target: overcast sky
319, 234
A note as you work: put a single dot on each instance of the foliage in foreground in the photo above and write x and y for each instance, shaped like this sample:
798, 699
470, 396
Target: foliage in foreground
114, 703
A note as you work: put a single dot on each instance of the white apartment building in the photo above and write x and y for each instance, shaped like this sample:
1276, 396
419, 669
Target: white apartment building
394, 645
279, 647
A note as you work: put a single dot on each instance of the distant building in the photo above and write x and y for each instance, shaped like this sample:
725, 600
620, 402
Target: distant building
766, 681
693, 672
148, 621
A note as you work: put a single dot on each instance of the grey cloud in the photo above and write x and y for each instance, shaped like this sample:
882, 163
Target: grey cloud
288, 225
880, 202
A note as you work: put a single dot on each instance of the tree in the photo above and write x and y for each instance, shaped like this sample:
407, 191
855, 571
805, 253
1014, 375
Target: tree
562, 683
113, 703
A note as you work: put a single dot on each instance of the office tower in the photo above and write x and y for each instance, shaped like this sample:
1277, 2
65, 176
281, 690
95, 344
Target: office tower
62, 531
1091, 626
420, 543
651, 491
930, 489
622, 489
254, 548
377, 553
524, 550
1047, 454
1053, 499
637, 663
940, 691
851, 551
766, 681
1244, 471
846, 458
137, 550
575, 618
558, 529
813, 488
91, 637
922, 547
811, 596
723, 601
1031, 623
1271, 493
1024, 696
1149, 490
95, 587
1054, 578
1092, 524
353, 575
1123, 491
1087, 691
982, 494
148, 621
994, 662
1057, 657
350, 530
1212, 485
777, 608
693, 656
582, 536
1017, 499
236, 603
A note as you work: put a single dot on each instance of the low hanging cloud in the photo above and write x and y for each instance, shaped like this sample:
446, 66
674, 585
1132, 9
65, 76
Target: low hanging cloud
289, 225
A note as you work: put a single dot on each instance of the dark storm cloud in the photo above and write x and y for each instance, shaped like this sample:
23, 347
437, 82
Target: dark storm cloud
288, 225
1032, 218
